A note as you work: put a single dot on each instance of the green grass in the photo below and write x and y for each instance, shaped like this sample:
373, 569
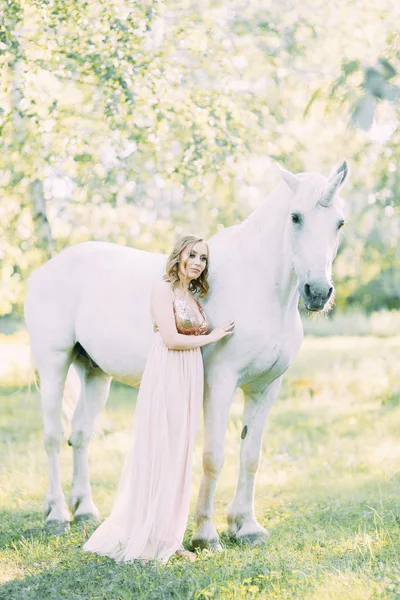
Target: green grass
328, 490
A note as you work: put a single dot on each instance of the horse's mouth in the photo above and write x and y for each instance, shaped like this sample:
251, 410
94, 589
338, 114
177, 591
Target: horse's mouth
321, 305
314, 309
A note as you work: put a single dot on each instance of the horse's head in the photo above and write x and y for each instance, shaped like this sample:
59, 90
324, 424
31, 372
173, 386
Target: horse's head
315, 218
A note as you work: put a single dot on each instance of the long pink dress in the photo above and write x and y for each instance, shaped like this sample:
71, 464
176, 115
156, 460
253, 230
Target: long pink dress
151, 509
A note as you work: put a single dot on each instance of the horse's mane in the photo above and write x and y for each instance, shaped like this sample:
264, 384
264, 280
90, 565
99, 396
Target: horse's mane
277, 205
312, 186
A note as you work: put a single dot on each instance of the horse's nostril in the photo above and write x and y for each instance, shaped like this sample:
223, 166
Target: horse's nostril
330, 292
307, 290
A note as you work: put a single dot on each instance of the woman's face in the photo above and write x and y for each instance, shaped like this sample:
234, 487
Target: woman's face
196, 261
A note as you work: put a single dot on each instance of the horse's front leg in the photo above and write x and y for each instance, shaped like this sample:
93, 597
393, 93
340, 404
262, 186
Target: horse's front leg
243, 525
218, 392
95, 386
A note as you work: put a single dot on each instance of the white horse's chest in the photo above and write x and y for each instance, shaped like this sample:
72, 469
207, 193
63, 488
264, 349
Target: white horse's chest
264, 350
268, 355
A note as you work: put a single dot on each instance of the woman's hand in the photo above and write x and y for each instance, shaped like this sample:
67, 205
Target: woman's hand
222, 331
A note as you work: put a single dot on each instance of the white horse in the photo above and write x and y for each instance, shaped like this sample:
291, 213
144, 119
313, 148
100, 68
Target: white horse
90, 307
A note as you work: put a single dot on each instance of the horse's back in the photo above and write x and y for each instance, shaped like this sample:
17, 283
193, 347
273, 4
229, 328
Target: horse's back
91, 254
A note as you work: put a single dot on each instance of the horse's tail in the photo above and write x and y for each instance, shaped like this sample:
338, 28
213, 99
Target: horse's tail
70, 398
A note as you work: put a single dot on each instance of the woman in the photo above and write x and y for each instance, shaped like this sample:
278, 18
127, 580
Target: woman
150, 513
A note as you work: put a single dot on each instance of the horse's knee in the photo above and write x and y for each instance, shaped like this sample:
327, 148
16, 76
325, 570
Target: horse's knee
251, 464
82, 425
52, 442
79, 439
52, 429
212, 463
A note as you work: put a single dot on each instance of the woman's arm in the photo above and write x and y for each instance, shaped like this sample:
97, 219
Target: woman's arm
162, 307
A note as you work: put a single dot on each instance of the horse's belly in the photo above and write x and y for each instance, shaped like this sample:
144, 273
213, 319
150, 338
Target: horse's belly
127, 369
119, 349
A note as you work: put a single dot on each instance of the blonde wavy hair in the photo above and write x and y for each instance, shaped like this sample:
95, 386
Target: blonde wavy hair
199, 285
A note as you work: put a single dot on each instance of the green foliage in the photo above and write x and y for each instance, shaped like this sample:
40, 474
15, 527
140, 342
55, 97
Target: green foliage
375, 87
134, 122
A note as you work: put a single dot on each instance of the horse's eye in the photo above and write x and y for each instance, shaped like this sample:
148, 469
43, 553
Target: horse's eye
296, 218
340, 224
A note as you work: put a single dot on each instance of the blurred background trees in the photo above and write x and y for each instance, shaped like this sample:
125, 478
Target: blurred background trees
135, 122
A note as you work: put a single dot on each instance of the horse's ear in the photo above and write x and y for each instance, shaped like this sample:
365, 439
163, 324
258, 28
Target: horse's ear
289, 178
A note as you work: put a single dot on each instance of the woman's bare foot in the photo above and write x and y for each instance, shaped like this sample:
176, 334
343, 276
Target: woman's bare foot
186, 554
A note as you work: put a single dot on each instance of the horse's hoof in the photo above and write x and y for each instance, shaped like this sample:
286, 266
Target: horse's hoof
88, 518
214, 545
57, 527
252, 539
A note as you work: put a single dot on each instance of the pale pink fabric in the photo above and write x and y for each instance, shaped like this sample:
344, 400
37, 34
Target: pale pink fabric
150, 513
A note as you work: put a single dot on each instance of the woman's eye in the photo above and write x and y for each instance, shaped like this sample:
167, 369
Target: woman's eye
203, 259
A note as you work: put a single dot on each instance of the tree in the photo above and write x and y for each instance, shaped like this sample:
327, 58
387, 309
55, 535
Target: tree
136, 122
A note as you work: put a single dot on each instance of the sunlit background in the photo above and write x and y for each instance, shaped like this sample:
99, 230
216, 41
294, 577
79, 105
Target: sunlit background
134, 122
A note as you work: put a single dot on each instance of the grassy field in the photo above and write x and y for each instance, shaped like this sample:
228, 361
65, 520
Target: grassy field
328, 490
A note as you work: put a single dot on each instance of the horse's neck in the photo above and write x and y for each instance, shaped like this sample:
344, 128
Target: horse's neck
257, 254
266, 242
270, 216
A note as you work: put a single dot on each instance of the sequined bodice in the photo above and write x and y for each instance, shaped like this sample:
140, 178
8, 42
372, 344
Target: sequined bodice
188, 320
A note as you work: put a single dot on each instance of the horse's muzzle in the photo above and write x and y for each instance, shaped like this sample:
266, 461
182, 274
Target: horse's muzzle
316, 295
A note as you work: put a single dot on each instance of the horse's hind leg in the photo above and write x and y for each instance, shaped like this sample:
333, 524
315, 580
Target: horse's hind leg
95, 386
53, 368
